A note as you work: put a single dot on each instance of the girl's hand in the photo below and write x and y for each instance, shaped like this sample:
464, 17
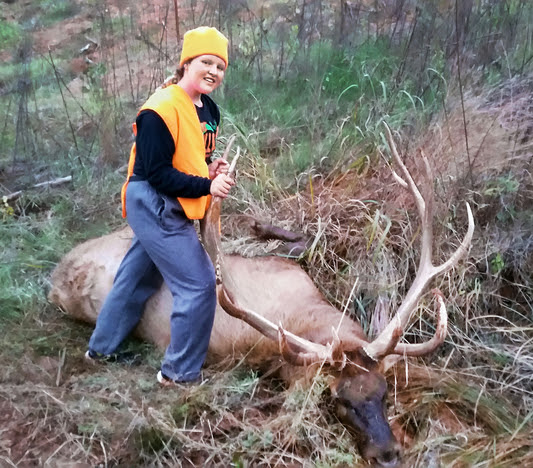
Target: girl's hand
221, 185
217, 167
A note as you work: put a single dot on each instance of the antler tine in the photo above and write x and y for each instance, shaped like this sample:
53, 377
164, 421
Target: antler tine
409, 181
210, 225
424, 206
231, 169
295, 349
296, 358
334, 354
421, 349
228, 147
387, 341
463, 246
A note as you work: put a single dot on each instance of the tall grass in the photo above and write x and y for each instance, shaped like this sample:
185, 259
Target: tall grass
312, 119
9, 33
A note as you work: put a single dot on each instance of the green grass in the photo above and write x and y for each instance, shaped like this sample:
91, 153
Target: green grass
10, 34
53, 11
42, 226
38, 70
337, 103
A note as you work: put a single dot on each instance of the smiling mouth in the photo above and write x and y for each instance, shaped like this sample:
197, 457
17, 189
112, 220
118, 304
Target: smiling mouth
209, 80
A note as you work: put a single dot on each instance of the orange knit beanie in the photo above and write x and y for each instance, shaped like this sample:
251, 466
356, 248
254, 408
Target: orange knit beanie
204, 41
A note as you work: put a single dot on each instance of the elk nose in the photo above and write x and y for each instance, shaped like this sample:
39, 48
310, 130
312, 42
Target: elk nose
389, 458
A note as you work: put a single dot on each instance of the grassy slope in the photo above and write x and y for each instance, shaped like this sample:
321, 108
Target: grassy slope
312, 155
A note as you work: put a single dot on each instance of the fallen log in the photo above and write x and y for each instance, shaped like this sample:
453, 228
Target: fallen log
48, 184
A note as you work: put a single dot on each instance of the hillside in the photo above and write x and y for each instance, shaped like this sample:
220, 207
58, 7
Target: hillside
309, 86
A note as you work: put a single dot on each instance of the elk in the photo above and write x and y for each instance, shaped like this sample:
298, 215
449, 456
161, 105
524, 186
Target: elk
273, 297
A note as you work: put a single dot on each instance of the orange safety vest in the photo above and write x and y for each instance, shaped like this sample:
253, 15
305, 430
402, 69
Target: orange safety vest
177, 110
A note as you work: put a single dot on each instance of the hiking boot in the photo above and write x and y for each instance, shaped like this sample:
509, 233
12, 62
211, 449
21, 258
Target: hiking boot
94, 357
166, 381
129, 358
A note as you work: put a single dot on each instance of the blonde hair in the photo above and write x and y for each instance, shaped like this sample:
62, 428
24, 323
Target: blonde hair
174, 79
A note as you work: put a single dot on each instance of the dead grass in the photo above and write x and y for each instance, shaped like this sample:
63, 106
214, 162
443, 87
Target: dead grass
468, 405
476, 406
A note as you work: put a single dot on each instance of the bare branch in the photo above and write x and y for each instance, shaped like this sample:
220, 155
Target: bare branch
47, 184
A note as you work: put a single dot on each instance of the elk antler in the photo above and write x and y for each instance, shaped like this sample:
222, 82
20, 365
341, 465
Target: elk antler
421, 349
293, 348
387, 341
210, 225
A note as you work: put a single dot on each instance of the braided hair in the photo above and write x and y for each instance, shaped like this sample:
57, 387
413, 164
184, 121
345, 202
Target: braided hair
178, 75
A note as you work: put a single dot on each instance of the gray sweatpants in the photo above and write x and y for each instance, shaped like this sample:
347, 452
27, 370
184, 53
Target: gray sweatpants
165, 247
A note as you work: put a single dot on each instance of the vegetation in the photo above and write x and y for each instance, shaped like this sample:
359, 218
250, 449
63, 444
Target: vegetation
309, 85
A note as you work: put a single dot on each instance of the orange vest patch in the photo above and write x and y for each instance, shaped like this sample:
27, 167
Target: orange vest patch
178, 112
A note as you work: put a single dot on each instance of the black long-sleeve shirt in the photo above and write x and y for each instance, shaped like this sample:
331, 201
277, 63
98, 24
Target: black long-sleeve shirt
155, 149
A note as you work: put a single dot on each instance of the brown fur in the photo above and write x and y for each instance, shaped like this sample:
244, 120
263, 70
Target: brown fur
274, 287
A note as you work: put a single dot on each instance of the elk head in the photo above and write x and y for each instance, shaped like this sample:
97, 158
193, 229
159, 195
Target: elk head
360, 393
356, 363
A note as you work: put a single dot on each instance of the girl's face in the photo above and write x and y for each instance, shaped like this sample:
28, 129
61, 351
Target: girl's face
204, 74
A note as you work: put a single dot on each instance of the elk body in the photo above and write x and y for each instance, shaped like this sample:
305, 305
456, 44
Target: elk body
275, 288
261, 293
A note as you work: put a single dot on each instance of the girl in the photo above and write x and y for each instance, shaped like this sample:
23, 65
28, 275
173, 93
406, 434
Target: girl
170, 175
